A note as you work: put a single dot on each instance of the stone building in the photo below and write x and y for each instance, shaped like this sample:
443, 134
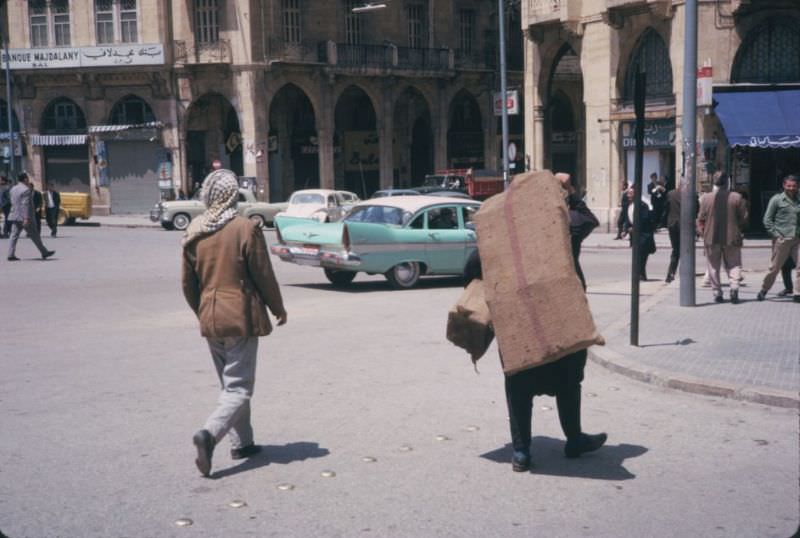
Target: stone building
581, 58
130, 100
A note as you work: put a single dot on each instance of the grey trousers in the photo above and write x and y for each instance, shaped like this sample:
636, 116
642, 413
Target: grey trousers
235, 361
33, 233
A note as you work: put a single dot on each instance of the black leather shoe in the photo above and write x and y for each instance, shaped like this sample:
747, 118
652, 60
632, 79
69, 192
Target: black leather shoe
734, 296
785, 292
719, 299
669, 278
520, 462
204, 442
13, 259
584, 443
245, 452
48, 254
761, 295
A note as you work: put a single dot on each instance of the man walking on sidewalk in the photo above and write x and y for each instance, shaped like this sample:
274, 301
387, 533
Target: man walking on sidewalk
229, 283
782, 221
722, 216
23, 218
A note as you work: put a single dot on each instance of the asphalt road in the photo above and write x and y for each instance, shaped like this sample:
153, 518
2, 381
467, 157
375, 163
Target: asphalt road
105, 379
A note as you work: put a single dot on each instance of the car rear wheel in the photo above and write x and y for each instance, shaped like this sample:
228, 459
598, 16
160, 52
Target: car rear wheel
338, 277
259, 221
403, 275
181, 221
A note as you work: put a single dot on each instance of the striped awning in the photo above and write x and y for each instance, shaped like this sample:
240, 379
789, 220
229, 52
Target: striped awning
94, 129
57, 139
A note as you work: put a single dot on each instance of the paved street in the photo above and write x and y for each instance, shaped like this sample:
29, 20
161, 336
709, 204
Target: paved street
106, 379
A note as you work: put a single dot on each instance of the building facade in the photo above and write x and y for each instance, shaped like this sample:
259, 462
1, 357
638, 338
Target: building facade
581, 61
130, 100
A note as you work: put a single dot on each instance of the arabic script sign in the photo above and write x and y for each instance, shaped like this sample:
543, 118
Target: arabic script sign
657, 134
64, 57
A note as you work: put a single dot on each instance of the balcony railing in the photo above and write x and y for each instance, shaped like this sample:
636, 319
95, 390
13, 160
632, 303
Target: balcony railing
423, 59
218, 52
621, 4
379, 56
303, 52
485, 59
540, 11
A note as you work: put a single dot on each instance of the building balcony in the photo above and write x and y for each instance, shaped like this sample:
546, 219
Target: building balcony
386, 58
305, 51
485, 59
190, 53
538, 12
662, 8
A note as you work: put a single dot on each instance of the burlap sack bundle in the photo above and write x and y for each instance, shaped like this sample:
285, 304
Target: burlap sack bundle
469, 323
538, 307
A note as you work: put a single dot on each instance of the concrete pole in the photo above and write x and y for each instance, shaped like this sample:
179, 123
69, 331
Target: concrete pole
689, 191
503, 90
10, 114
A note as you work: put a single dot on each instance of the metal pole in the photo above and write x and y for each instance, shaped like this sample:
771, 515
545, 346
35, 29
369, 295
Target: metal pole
638, 105
9, 109
501, 16
689, 191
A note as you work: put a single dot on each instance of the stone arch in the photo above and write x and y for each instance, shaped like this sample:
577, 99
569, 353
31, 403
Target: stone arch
650, 51
465, 132
293, 145
131, 109
412, 141
356, 166
564, 115
770, 53
62, 115
212, 133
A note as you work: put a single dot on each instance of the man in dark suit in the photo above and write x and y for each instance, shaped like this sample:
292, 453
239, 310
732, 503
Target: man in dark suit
38, 208
52, 204
22, 218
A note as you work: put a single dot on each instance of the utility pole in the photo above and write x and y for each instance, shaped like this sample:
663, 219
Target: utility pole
9, 108
636, 256
689, 128
501, 19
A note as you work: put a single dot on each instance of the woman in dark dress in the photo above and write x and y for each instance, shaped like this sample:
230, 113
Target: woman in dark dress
647, 228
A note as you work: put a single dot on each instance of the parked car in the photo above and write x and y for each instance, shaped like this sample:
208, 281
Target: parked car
394, 192
323, 205
401, 237
177, 214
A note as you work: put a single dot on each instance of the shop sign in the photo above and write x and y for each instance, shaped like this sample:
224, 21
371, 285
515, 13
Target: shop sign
705, 78
361, 151
657, 134
512, 103
65, 57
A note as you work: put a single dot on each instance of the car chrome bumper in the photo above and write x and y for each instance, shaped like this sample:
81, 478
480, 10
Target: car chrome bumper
319, 258
155, 215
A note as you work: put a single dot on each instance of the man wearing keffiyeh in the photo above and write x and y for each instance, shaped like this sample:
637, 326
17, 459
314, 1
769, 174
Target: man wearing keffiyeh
229, 283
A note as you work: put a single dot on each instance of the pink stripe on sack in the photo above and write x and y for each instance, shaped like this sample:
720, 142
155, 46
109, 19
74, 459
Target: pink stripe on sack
519, 271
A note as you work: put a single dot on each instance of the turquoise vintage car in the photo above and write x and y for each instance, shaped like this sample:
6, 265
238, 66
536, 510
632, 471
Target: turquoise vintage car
401, 237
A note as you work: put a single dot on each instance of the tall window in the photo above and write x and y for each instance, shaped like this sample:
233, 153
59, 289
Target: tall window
651, 55
131, 110
416, 25
116, 21
291, 21
467, 34
352, 23
206, 21
770, 53
63, 116
49, 23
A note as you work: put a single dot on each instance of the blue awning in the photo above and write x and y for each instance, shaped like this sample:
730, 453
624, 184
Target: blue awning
760, 119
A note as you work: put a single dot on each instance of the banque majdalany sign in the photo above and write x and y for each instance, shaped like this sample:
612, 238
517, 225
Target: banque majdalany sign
64, 57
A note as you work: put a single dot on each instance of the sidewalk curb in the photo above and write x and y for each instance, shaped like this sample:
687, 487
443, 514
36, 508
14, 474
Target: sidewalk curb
123, 225
617, 363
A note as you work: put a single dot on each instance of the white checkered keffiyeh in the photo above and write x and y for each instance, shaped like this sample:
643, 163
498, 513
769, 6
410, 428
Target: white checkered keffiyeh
220, 195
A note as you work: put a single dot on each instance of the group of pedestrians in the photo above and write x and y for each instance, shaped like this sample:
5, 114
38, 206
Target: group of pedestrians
22, 208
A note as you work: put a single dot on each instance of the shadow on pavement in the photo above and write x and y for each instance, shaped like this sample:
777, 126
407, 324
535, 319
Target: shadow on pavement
378, 285
548, 459
684, 342
279, 454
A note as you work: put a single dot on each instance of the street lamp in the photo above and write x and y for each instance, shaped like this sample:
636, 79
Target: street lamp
368, 7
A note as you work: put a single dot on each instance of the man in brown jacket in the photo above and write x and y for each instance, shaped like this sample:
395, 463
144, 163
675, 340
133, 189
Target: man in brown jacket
722, 216
229, 283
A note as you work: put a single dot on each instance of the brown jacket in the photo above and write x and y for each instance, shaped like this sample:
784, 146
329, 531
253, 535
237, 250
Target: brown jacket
722, 216
228, 281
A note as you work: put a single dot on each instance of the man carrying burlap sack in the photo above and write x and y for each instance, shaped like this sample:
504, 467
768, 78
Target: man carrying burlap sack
539, 311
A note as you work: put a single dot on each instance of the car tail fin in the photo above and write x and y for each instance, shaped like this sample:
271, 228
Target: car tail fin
278, 233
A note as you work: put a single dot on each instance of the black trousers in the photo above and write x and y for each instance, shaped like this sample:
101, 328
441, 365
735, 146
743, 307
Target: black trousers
786, 273
6, 222
563, 379
675, 242
51, 215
